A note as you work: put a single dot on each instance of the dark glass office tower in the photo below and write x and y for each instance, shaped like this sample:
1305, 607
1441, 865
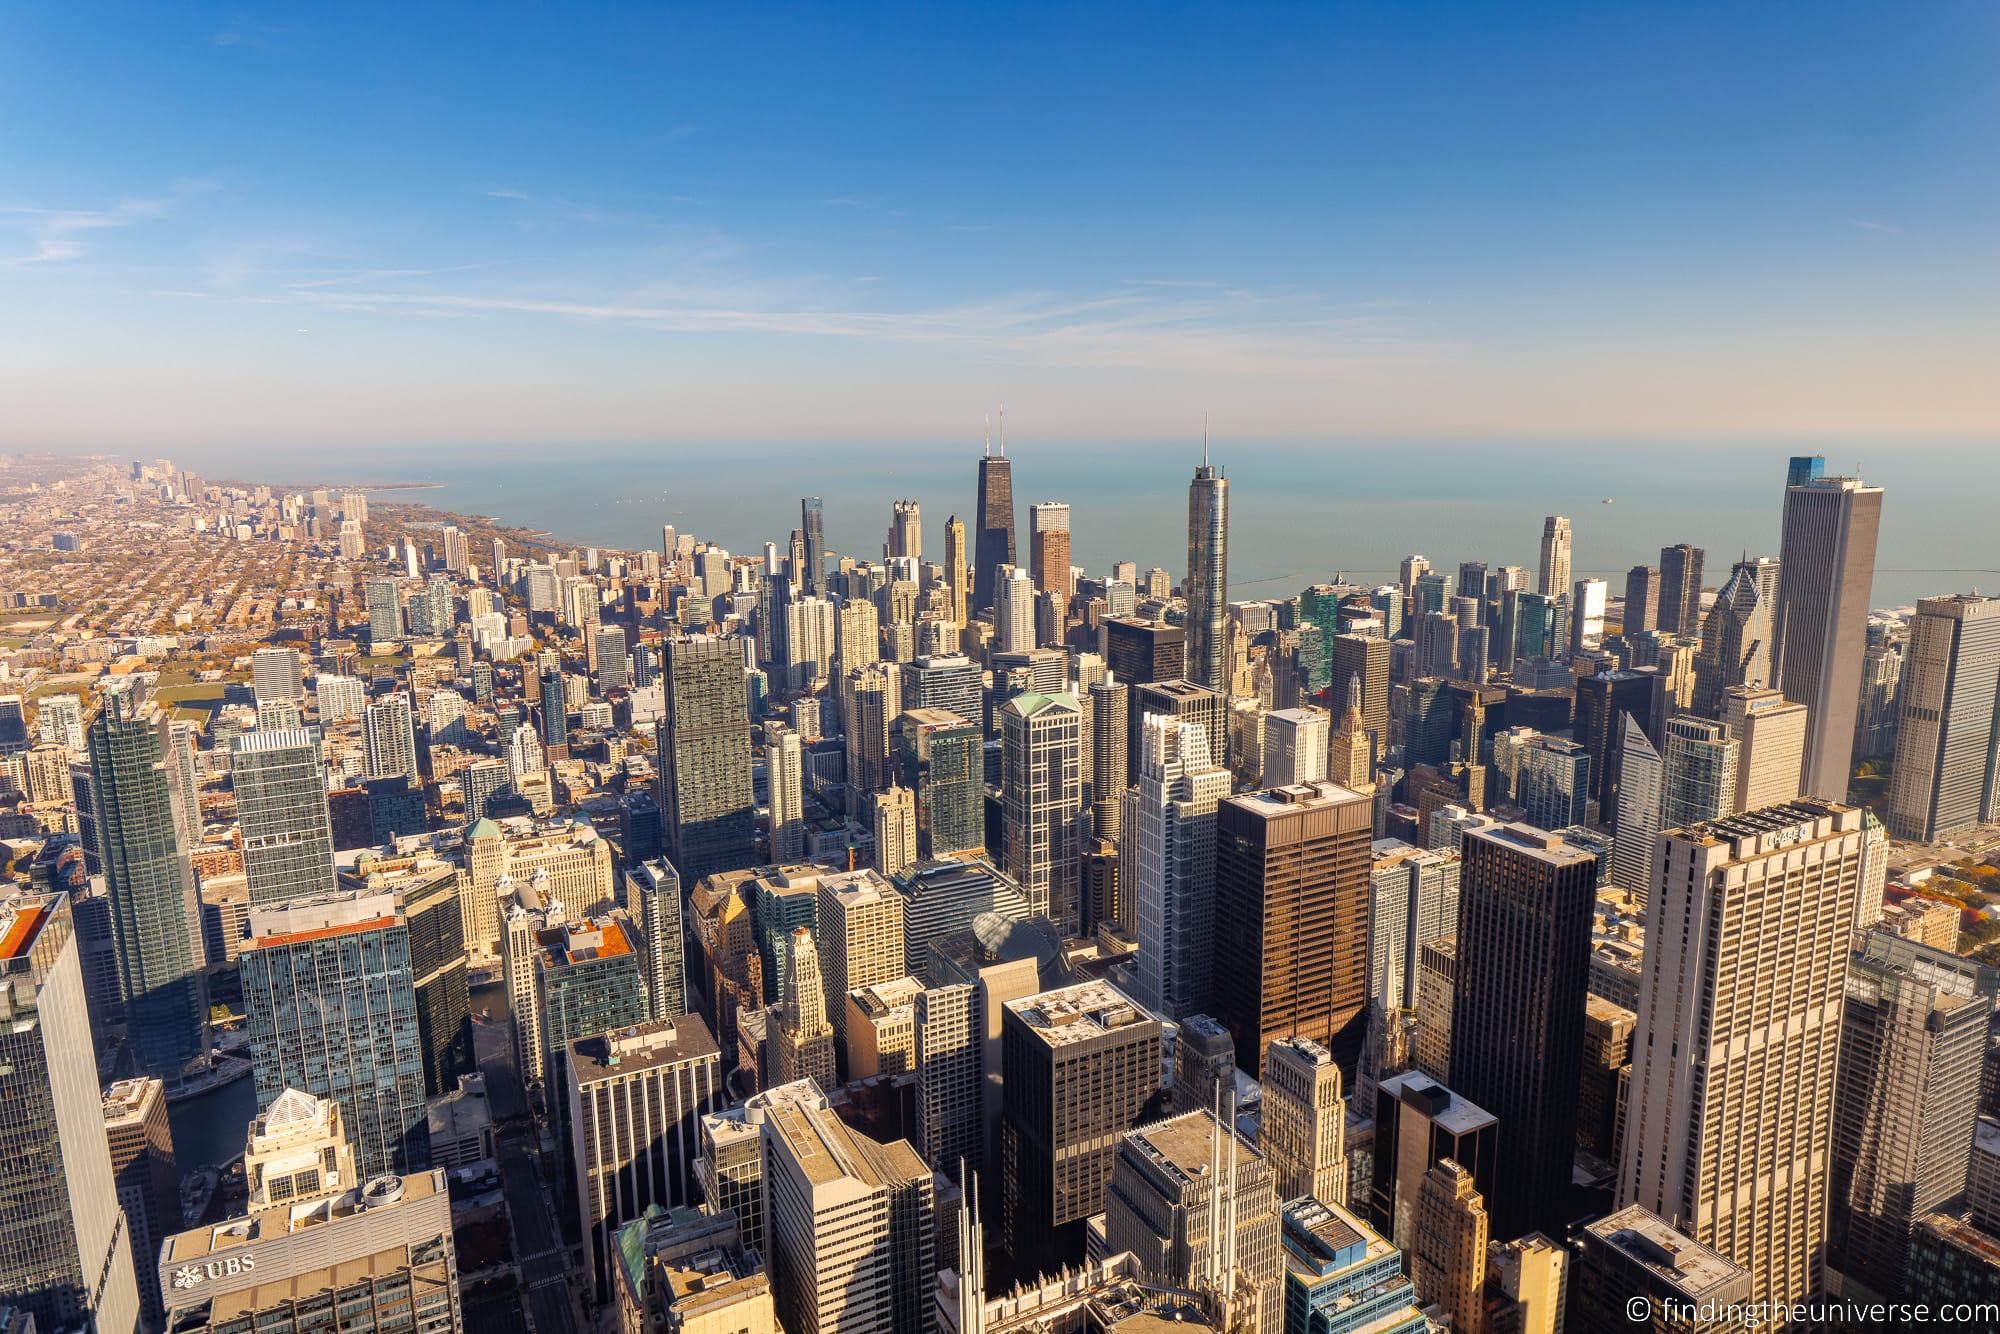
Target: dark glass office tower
1208, 574
1524, 910
704, 758
812, 523
150, 882
1291, 921
995, 544
555, 707
939, 756
1680, 589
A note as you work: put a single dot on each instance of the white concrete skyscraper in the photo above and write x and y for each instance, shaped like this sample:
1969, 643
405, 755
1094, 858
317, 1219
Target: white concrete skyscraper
1732, 1098
784, 769
1041, 818
1819, 630
1555, 557
1167, 863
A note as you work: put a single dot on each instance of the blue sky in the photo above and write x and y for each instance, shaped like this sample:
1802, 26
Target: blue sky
373, 228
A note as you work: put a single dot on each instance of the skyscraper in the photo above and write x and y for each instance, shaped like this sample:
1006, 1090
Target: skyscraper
1947, 773
704, 758
1700, 777
1820, 627
957, 571
861, 934
1525, 904
1197, 1205
1295, 746
894, 819
1771, 730
330, 991
812, 523
802, 1040
784, 771
1291, 920
1167, 864
280, 785
906, 531
994, 545
1735, 642
65, 1253
385, 611
1418, 1124
1732, 1148
147, 1176
1208, 573
1041, 747
1110, 758
1448, 1244
1048, 548
1642, 599
1913, 1038
1554, 581
139, 809
1680, 589
1641, 798
390, 734
636, 1099
1304, 1126
1081, 1065
852, 1228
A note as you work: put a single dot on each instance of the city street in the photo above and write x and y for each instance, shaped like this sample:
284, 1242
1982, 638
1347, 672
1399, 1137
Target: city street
543, 1261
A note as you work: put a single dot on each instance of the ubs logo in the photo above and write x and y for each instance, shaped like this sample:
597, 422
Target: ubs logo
193, 1276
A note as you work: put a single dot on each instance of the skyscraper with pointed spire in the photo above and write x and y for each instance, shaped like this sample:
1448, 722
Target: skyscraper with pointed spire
994, 546
1208, 571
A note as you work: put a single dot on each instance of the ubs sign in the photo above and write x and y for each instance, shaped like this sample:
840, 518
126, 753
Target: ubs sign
193, 1276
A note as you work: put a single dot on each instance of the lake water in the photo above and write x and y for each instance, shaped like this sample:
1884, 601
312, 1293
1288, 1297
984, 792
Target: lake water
1298, 513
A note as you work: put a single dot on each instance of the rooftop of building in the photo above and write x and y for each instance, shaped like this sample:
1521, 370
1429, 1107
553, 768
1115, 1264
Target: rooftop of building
638, 1048
1673, 1256
1447, 1110
22, 918
1322, 1239
587, 940
1186, 1145
1394, 852
266, 1225
932, 718
1549, 848
885, 998
856, 888
1772, 827
827, 1149
461, 1113
1276, 803
1080, 1012
130, 1099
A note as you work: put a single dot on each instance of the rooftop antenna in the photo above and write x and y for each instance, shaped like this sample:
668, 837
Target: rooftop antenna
1003, 430
989, 433
1204, 439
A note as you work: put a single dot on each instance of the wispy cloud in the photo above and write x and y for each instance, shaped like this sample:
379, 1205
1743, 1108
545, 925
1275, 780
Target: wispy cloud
1870, 225
54, 235
1230, 330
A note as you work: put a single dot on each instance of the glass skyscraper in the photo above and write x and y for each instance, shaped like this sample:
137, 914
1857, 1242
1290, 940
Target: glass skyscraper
331, 995
704, 749
281, 799
138, 805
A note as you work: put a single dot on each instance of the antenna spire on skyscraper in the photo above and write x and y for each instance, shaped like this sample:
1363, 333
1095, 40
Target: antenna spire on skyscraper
1204, 439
